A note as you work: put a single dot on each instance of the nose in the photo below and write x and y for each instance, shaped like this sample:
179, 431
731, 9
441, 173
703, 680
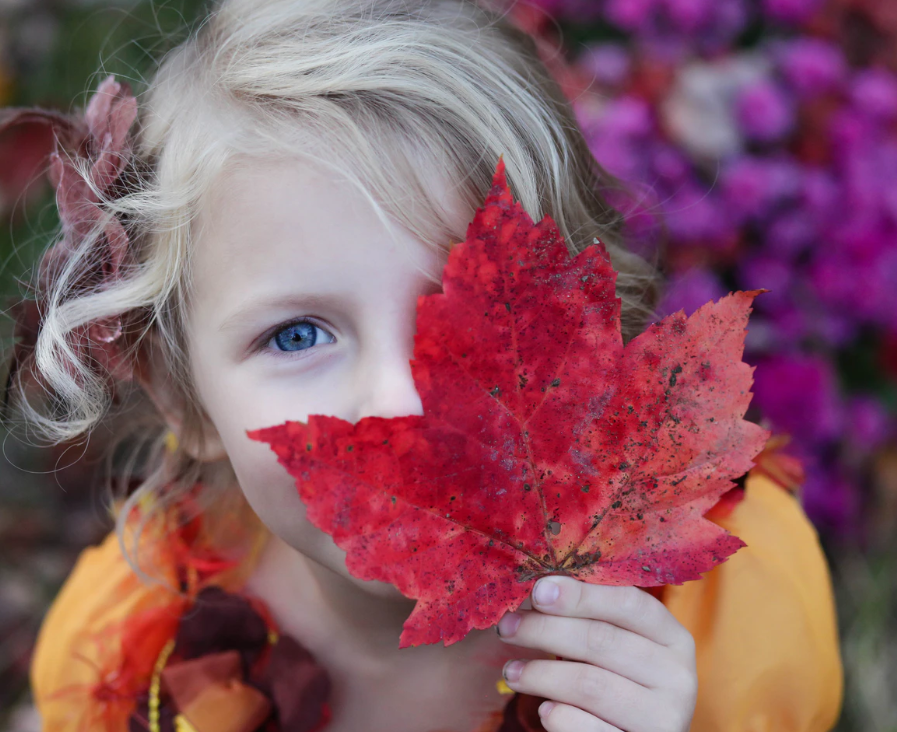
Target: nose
386, 388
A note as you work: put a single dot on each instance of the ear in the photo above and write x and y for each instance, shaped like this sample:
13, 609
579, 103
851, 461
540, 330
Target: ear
201, 442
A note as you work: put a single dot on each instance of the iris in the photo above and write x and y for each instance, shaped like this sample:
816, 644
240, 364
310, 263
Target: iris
300, 336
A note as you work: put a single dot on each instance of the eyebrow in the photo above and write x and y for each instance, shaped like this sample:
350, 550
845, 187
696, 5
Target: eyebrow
252, 309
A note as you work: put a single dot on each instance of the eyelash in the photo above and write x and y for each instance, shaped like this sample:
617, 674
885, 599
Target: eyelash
266, 343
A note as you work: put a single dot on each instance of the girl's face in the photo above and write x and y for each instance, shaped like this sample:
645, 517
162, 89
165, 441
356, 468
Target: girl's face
302, 304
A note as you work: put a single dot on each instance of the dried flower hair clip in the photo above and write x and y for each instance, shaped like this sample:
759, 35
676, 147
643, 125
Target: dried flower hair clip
90, 153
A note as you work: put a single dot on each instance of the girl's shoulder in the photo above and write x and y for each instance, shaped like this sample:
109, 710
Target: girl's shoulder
764, 621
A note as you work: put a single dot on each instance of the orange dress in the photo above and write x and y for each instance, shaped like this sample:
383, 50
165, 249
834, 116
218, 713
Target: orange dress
763, 623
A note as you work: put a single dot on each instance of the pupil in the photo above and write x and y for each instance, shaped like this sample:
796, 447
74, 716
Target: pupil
296, 337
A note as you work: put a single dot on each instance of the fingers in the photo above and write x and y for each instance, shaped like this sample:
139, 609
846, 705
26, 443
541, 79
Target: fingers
626, 607
592, 641
564, 718
611, 698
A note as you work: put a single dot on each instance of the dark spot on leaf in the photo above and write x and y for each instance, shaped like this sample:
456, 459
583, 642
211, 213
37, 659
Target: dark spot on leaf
556, 382
646, 568
554, 527
308, 447
676, 370
508, 306
616, 504
350, 448
495, 391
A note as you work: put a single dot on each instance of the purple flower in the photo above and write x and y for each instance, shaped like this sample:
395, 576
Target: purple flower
764, 111
629, 14
812, 66
791, 11
798, 393
790, 322
868, 423
765, 272
688, 16
874, 93
820, 193
831, 501
689, 291
575, 10
607, 63
620, 136
728, 19
835, 329
791, 233
751, 186
671, 165
693, 216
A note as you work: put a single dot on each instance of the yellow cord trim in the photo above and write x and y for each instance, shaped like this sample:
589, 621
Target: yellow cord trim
156, 683
182, 724
502, 687
171, 441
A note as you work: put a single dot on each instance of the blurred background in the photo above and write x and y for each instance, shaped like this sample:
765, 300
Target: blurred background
758, 139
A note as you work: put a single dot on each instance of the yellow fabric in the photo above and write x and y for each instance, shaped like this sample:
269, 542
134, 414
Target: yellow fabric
763, 623
74, 644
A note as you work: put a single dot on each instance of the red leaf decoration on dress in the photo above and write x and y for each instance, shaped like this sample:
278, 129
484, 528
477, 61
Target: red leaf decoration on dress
546, 445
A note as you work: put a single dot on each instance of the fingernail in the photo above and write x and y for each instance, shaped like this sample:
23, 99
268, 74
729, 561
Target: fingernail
545, 708
512, 671
508, 625
546, 592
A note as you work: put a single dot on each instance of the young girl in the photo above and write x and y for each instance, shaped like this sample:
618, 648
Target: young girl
250, 252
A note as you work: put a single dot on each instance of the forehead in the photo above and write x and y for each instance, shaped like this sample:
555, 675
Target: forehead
268, 224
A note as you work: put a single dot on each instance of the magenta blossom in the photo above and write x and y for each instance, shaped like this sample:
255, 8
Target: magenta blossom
765, 112
799, 394
792, 12
689, 290
812, 66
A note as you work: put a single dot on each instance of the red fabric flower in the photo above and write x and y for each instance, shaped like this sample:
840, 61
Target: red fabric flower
100, 138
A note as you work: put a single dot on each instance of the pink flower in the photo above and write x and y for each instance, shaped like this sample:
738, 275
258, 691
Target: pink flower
812, 66
799, 394
765, 112
629, 14
791, 11
874, 93
689, 291
607, 63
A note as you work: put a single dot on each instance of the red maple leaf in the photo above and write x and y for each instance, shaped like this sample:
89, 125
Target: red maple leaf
545, 447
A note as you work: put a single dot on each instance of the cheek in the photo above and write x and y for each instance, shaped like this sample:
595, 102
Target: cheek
272, 493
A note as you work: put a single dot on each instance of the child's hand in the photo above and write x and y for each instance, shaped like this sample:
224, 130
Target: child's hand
628, 664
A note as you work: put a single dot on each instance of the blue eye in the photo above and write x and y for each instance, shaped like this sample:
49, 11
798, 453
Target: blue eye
300, 337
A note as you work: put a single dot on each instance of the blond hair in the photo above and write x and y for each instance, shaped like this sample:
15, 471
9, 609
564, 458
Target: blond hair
394, 89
